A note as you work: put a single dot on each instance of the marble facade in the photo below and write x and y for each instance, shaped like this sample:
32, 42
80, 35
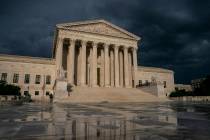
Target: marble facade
95, 54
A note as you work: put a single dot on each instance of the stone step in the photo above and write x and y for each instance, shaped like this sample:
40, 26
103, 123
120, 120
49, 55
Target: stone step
84, 94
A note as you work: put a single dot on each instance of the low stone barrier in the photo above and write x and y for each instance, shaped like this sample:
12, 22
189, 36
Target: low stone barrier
192, 98
154, 89
12, 102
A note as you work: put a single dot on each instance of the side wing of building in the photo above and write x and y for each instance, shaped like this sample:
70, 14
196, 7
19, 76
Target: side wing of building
159, 75
33, 74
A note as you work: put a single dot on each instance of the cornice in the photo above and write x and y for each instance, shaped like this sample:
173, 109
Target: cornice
68, 25
105, 35
27, 59
154, 69
98, 38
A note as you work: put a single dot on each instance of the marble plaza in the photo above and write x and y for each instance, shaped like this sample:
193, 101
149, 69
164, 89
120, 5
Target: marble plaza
106, 121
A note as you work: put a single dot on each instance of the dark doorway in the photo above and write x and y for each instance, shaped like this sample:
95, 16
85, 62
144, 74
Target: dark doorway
98, 76
133, 84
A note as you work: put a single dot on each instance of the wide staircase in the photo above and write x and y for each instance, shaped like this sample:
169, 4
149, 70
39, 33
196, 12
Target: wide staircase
85, 94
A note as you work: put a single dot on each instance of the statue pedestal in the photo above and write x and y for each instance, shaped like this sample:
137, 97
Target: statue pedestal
61, 85
60, 89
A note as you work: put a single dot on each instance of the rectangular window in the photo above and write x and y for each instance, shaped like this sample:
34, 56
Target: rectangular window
4, 76
15, 78
47, 93
36, 93
26, 93
164, 83
48, 79
140, 82
38, 79
27, 79
147, 83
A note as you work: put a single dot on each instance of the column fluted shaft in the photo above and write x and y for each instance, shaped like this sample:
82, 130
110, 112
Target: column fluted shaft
94, 65
102, 69
112, 68
134, 66
126, 72
70, 62
116, 66
106, 58
59, 56
83, 63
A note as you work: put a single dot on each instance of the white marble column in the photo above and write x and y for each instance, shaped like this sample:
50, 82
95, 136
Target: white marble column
70, 62
102, 69
94, 65
135, 66
126, 73
83, 63
112, 68
90, 66
59, 57
116, 66
130, 68
79, 65
106, 48
121, 70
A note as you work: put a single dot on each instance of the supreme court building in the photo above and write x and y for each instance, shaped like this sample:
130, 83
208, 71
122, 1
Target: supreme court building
95, 53
87, 54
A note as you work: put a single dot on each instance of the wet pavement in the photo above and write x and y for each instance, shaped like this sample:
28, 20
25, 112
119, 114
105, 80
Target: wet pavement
106, 121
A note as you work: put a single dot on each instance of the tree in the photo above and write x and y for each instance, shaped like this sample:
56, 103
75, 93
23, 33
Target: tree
205, 87
8, 89
180, 93
203, 90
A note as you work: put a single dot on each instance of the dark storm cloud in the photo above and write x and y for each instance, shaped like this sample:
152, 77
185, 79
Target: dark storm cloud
175, 34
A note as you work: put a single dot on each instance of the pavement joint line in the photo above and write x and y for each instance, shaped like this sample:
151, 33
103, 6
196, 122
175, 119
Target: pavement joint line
124, 113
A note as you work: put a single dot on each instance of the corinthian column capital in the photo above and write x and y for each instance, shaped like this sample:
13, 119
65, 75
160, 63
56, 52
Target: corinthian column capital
106, 45
72, 40
95, 44
125, 48
134, 49
116, 47
59, 38
84, 42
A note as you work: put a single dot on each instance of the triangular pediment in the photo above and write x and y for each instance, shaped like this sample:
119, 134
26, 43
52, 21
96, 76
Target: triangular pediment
101, 27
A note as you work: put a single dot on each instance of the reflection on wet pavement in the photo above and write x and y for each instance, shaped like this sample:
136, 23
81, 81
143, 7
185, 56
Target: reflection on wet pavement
106, 121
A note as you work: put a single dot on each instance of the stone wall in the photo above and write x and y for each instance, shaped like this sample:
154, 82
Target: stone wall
6, 97
158, 75
155, 89
28, 65
192, 98
183, 87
